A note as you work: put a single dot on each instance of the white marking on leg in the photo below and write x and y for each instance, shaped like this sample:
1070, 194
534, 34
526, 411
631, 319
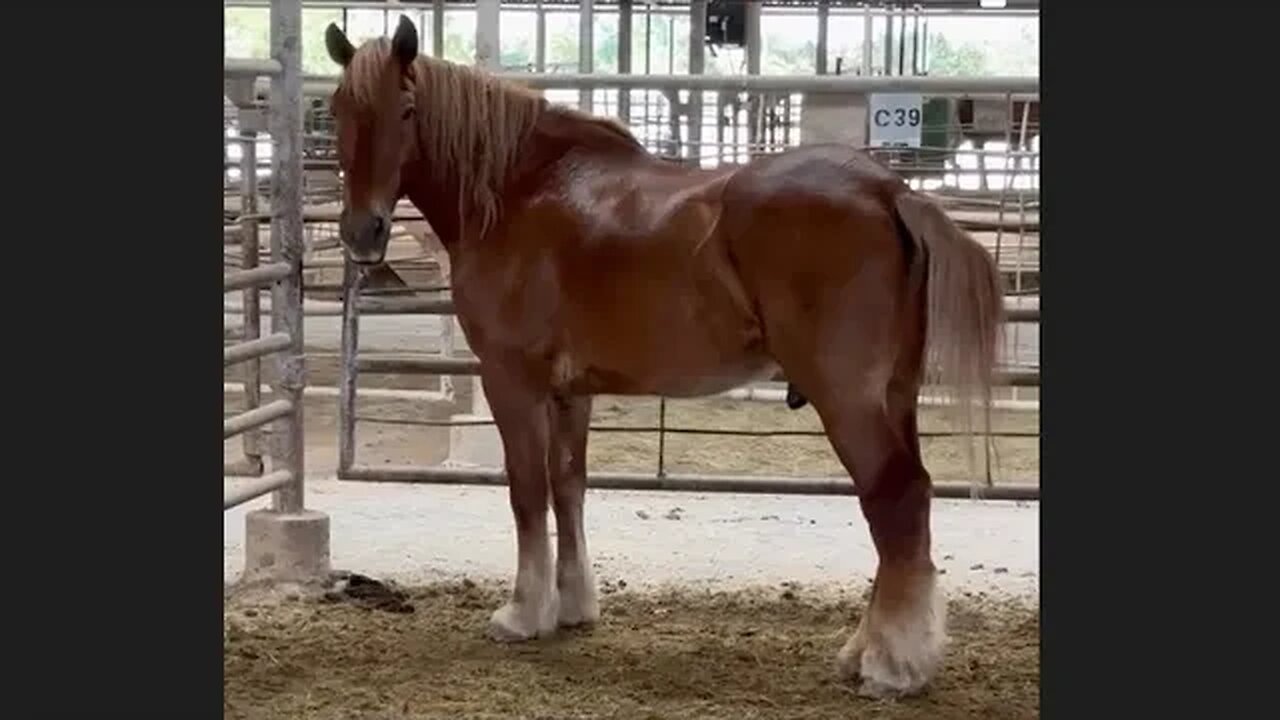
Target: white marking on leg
902, 646
532, 610
574, 577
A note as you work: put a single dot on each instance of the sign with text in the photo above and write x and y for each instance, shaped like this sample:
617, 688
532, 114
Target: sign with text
895, 120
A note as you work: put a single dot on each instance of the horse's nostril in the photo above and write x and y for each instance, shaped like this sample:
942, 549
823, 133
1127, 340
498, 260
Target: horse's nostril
379, 225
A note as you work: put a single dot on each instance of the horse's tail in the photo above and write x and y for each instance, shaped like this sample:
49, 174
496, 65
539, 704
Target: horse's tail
964, 313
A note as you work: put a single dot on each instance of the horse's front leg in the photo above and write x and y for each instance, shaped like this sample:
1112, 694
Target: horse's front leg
522, 413
575, 581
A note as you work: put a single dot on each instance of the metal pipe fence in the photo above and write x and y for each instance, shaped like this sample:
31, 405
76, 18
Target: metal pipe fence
1002, 211
282, 120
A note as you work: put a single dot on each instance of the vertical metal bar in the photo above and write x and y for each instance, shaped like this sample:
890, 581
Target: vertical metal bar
754, 50
252, 321
902, 42
720, 127
820, 61
586, 50
351, 282
924, 46
437, 28
286, 246
449, 349
697, 65
671, 46
986, 456
915, 41
888, 41
1022, 235
648, 63
540, 45
488, 41
624, 58
1004, 186
1022, 205
866, 39
662, 436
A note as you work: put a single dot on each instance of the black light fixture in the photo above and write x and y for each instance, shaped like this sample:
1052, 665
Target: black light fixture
726, 23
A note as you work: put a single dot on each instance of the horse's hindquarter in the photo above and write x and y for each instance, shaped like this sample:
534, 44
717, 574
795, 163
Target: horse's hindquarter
626, 285
814, 221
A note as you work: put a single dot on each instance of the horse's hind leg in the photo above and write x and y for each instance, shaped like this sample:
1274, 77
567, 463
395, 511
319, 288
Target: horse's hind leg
568, 466
863, 383
898, 644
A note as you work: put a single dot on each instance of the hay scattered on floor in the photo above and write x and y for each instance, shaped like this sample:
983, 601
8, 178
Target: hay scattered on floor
742, 655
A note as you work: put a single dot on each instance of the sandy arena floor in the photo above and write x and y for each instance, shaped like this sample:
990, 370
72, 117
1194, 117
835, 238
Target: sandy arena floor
695, 655
715, 606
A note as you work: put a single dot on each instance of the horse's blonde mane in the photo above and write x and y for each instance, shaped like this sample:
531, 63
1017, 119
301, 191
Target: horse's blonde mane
471, 125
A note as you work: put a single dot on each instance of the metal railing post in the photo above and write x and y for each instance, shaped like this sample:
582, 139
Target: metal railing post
250, 119
697, 66
625, 37
349, 372
586, 51
285, 120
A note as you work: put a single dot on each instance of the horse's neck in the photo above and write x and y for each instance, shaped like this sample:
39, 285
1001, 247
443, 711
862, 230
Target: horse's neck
440, 208
553, 135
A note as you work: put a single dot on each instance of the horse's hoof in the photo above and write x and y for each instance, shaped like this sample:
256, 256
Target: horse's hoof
511, 623
873, 690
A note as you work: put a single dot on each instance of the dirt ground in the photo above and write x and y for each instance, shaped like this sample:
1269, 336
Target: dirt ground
400, 441
765, 653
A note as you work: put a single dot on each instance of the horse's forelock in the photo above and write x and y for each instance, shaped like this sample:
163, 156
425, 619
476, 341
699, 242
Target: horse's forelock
362, 78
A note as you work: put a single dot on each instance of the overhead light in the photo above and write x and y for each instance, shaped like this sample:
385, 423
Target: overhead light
991, 4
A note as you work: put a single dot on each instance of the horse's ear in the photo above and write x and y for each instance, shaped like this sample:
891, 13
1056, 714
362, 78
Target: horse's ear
405, 42
339, 47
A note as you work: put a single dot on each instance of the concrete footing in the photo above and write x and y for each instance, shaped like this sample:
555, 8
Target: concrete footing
286, 547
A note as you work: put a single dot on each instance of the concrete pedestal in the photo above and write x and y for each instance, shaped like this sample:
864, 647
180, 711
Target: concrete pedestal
286, 547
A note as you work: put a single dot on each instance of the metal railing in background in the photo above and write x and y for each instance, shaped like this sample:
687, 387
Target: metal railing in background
983, 213
716, 120
281, 118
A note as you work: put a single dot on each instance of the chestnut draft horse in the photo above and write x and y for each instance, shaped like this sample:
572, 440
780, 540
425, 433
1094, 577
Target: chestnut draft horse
584, 265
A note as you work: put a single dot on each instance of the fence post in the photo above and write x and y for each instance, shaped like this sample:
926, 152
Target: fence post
347, 380
250, 120
287, 543
697, 66
286, 244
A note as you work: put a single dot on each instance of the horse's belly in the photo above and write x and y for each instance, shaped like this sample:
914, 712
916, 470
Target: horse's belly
668, 355
725, 377
672, 379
